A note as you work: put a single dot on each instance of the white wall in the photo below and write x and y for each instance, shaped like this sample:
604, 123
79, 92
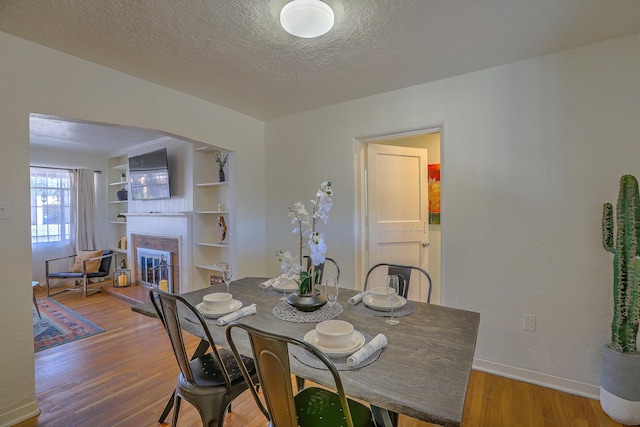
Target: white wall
530, 151
41, 80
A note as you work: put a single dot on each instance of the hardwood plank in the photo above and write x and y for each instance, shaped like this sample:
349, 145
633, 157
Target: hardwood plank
124, 376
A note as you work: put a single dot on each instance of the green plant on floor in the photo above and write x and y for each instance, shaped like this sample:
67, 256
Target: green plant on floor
626, 263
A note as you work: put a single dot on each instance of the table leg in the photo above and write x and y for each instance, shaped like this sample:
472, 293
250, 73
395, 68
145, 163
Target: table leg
383, 417
201, 350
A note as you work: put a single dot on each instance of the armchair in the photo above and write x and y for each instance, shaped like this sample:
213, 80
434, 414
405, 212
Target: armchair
87, 265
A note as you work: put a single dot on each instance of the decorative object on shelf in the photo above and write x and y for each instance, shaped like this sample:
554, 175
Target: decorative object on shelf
122, 194
619, 391
122, 276
122, 243
123, 174
222, 228
307, 297
121, 218
221, 161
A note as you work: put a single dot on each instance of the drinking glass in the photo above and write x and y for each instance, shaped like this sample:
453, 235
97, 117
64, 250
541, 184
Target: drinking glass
284, 284
392, 294
226, 275
331, 291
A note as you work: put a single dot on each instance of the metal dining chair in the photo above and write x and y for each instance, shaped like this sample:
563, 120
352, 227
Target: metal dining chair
210, 382
404, 274
310, 407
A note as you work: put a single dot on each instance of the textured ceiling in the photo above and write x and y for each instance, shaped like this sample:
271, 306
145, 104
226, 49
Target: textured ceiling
234, 52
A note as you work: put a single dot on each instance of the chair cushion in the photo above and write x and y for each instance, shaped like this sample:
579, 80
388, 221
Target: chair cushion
320, 407
208, 374
92, 266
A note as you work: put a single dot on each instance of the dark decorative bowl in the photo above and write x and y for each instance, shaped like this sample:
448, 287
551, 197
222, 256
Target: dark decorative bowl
307, 302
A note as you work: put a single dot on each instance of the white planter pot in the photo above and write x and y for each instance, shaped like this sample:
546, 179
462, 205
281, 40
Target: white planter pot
620, 386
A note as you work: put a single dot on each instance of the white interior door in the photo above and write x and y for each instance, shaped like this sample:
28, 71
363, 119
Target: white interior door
397, 211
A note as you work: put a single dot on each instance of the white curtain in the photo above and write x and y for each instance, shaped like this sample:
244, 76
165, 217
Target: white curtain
83, 211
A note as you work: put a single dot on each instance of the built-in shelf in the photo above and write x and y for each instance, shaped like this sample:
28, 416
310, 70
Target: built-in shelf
211, 267
212, 212
118, 201
119, 222
205, 149
214, 245
157, 213
212, 184
118, 250
119, 183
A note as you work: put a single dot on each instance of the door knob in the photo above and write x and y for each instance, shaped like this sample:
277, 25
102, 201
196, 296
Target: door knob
425, 244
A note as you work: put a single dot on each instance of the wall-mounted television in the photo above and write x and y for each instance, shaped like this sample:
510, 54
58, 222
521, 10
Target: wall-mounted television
149, 176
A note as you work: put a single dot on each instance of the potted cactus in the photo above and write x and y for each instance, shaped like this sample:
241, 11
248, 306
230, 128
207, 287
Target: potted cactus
620, 388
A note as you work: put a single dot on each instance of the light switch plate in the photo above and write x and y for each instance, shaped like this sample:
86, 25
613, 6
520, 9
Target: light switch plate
5, 212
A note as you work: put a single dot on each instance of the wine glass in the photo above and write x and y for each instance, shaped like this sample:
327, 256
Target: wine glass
331, 291
392, 294
284, 283
226, 275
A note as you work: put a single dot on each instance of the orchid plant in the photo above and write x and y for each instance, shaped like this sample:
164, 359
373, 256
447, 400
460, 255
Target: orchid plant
305, 227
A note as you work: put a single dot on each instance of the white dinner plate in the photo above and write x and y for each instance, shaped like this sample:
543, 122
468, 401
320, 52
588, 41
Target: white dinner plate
385, 306
357, 341
288, 286
235, 304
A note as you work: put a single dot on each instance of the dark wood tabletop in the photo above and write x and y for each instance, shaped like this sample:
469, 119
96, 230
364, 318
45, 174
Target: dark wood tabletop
423, 372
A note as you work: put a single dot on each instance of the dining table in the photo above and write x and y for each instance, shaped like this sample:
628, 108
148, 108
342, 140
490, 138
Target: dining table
422, 372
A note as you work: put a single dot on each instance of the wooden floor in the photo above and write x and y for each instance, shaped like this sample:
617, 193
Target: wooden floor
124, 376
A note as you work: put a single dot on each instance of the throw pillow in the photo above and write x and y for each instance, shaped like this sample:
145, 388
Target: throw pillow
92, 266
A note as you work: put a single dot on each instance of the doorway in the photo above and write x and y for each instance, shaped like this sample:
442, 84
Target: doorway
424, 246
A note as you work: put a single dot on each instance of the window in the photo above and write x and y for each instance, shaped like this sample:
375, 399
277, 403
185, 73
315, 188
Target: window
50, 205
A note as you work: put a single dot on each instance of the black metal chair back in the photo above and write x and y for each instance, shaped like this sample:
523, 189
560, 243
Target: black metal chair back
404, 275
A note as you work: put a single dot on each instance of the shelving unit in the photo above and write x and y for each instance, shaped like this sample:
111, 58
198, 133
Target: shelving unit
116, 182
212, 200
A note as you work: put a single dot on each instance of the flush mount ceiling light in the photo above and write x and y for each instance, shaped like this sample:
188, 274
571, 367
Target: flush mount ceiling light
306, 18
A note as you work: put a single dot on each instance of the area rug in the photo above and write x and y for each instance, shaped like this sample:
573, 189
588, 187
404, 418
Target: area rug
59, 325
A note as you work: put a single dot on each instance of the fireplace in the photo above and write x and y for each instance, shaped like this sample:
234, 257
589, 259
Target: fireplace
154, 269
149, 251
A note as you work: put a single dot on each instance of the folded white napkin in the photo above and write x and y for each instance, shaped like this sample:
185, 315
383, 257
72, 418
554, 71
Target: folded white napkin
367, 350
281, 280
238, 314
268, 283
357, 298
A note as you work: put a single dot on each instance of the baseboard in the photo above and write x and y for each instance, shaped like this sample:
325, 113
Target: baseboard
20, 414
550, 381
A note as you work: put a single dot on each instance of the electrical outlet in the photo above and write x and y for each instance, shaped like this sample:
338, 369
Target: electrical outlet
529, 323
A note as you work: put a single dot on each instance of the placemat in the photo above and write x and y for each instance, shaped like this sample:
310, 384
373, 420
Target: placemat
340, 362
284, 311
405, 310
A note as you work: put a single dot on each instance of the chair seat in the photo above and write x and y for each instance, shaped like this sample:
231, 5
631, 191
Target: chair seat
320, 407
69, 275
208, 374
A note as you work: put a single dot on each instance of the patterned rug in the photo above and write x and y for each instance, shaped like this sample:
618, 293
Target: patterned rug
59, 325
